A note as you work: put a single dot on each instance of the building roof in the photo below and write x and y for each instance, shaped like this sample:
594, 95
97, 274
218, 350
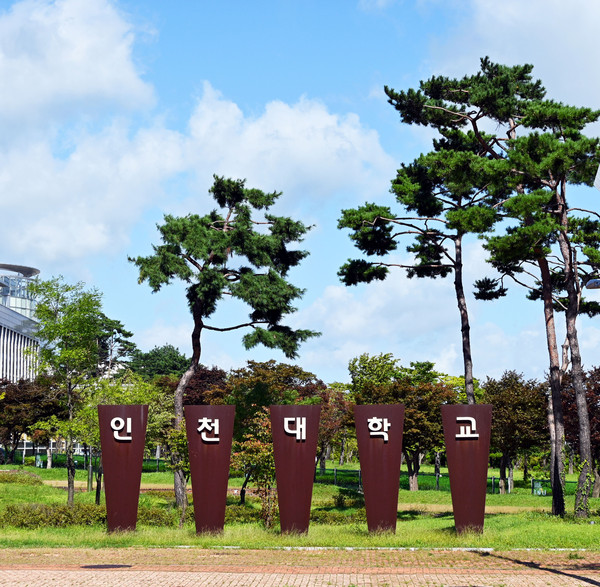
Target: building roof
22, 269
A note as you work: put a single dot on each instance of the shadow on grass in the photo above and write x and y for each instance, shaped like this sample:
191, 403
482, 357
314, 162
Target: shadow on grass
533, 565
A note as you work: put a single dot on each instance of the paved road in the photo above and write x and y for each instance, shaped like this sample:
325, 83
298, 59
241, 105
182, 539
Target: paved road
297, 568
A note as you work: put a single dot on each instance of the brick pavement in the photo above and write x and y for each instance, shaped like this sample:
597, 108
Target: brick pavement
297, 568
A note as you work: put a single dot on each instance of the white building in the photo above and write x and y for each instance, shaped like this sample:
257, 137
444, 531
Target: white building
18, 347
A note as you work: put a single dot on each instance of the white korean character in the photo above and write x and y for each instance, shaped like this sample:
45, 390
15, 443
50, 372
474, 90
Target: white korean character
299, 431
117, 425
207, 425
378, 427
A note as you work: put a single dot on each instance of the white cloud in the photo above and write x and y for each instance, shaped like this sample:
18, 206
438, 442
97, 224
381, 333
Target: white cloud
160, 333
558, 38
301, 147
414, 319
87, 203
64, 55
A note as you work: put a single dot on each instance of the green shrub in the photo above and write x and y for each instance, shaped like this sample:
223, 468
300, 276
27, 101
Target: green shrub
20, 477
167, 494
337, 518
32, 515
346, 498
29, 462
241, 514
153, 516
325, 517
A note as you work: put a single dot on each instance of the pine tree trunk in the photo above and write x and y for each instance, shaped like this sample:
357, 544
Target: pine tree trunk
179, 479
596, 490
557, 435
584, 484
555, 416
465, 328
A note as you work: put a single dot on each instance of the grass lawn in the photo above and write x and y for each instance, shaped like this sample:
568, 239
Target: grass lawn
518, 520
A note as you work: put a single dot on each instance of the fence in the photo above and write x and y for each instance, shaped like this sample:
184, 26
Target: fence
543, 487
347, 478
351, 479
59, 460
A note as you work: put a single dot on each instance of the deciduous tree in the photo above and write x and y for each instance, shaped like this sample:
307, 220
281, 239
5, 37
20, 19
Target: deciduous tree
252, 389
161, 360
420, 390
69, 326
518, 418
21, 405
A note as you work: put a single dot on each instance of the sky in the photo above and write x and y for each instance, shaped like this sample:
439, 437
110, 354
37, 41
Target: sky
116, 112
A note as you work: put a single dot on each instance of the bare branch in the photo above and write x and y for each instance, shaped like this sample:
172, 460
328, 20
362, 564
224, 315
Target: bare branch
459, 115
216, 329
429, 266
193, 262
584, 210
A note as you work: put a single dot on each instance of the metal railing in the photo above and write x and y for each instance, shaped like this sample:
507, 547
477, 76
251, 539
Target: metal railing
352, 479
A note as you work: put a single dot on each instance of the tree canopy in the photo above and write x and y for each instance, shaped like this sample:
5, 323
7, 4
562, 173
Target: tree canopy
70, 324
231, 253
448, 193
161, 360
518, 417
502, 152
380, 380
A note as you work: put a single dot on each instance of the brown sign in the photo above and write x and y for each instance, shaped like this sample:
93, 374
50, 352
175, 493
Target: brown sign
122, 439
295, 432
379, 434
209, 434
467, 431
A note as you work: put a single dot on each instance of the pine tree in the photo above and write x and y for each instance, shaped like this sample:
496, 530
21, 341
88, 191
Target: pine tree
228, 253
473, 178
548, 248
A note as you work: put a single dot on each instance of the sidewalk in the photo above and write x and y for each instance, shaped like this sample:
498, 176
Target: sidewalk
297, 568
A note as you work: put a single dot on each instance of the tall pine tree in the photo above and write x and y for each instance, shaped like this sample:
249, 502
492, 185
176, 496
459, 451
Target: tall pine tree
473, 178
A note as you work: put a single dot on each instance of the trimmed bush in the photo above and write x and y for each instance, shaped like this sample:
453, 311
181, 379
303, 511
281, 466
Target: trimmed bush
154, 516
325, 517
20, 477
241, 514
337, 518
33, 515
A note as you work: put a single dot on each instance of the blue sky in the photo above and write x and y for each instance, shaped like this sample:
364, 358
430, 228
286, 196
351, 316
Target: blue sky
114, 113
